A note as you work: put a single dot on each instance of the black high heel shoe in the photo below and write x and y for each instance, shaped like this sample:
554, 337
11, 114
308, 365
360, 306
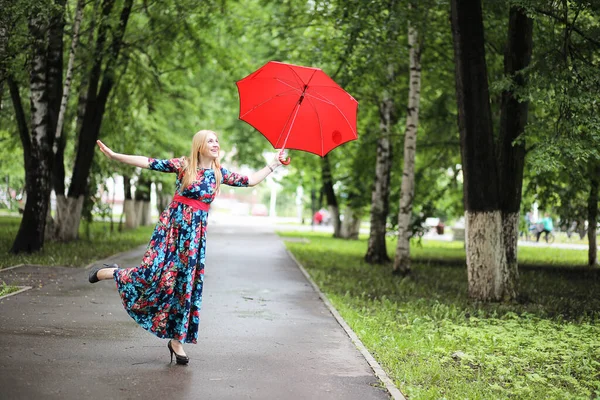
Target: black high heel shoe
93, 277
183, 360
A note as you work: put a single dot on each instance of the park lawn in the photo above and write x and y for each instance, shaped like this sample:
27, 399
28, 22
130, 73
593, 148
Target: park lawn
432, 250
435, 343
101, 243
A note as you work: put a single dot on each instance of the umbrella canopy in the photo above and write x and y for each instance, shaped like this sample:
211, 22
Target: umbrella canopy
298, 108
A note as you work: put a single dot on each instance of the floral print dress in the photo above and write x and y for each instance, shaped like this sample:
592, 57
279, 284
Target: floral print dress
164, 293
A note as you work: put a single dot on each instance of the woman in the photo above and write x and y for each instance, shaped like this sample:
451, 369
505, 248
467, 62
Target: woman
164, 293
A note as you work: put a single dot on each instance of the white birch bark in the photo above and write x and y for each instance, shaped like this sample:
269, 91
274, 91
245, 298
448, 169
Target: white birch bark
376, 250
3, 56
69, 74
402, 258
38, 99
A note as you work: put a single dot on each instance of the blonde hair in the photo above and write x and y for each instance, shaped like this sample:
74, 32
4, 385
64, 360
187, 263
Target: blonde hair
190, 168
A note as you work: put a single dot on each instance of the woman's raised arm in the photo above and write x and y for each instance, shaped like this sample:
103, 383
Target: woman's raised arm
136, 161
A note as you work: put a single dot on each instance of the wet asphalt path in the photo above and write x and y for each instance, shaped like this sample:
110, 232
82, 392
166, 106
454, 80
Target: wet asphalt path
264, 334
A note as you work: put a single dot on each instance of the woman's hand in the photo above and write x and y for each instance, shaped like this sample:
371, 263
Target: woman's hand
281, 158
106, 150
136, 161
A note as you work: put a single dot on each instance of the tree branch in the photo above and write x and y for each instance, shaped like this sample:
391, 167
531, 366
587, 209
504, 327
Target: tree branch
21, 120
570, 25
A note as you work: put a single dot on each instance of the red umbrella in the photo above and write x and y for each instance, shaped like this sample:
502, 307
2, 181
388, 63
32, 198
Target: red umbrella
298, 108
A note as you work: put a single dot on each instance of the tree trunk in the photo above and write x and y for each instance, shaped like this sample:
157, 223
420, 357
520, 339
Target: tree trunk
162, 198
59, 150
142, 203
332, 203
4, 28
68, 212
376, 251
486, 259
511, 156
21, 121
55, 65
351, 224
55, 79
96, 99
402, 258
593, 218
38, 161
69, 76
129, 205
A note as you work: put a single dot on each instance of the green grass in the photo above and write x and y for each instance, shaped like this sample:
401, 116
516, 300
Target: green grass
7, 289
433, 251
101, 243
437, 344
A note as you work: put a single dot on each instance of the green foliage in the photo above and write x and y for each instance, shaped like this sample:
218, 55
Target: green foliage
181, 59
435, 343
7, 289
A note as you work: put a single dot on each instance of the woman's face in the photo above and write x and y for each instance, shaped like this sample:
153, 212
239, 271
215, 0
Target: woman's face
211, 147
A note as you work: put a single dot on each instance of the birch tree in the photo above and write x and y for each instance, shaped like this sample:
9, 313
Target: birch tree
37, 145
62, 206
376, 250
100, 83
402, 258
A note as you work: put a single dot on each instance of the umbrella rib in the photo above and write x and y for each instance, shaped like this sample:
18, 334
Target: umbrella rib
340, 111
317, 98
295, 73
320, 126
310, 79
284, 125
266, 101
287, 83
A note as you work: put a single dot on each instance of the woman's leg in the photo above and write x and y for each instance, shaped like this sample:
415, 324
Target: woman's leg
106, 273
177, 347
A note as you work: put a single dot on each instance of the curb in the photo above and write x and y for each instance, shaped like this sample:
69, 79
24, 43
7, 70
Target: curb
112, 257
23, 288
379, 372
13, 267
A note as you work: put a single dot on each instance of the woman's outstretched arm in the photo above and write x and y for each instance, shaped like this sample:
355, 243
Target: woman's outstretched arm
136, 161
258, 176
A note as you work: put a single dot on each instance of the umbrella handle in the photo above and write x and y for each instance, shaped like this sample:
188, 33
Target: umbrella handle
286, 161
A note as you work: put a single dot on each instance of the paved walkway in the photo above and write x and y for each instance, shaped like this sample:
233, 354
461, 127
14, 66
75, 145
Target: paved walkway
264, 334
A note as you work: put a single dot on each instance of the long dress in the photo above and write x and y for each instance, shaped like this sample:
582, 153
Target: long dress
164, 294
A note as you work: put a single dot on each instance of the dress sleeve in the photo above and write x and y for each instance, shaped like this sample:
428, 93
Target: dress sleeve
172, 165
233, 178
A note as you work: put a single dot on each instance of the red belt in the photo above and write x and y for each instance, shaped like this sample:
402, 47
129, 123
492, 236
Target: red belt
195, 204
